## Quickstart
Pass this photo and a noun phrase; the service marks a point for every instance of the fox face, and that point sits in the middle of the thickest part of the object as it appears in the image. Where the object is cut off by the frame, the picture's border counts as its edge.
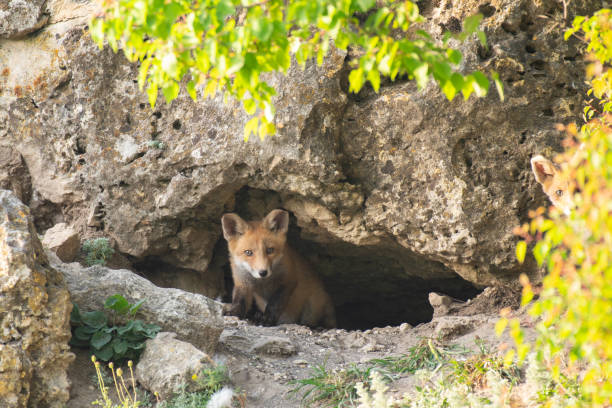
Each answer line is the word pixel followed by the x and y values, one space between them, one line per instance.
pixel 554 184
pixel 256 247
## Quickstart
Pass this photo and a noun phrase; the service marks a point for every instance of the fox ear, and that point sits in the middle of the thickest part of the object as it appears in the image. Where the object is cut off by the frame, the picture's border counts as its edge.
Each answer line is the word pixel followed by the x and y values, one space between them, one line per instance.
pixel 277 221
pixel 233 226
pixel 543 169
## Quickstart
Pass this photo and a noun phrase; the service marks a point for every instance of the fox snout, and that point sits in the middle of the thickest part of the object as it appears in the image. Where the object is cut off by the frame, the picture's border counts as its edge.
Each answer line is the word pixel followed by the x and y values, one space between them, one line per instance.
pixel 263 273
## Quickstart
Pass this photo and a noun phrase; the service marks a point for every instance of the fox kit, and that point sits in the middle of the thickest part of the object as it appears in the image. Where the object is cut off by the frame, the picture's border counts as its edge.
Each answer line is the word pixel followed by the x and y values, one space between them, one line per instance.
pixel 554 184
pixel 270 273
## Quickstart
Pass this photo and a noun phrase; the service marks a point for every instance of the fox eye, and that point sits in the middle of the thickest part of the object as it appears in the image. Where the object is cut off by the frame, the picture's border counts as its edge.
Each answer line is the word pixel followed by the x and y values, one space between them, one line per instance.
pixel 559 192
pixel 248 252
pixel 269 250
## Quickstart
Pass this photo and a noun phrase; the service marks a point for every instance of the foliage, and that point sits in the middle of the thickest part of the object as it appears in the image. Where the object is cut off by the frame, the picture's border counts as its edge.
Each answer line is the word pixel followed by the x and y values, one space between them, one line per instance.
pixel 97 251
pixel 427 354
pixel 115 342
pixel 333 388
pixel 210 381
pixel 126 399
pixel 574 307
pixel 229 46
pixel 339 388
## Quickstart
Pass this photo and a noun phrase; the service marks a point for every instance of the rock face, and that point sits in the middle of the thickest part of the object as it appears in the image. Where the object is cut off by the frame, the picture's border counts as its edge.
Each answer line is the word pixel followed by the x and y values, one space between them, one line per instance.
pixel 393 195
pixel 21 17
pixel 194 318
pixel 34 316
pixel 62 240
pixel 168 363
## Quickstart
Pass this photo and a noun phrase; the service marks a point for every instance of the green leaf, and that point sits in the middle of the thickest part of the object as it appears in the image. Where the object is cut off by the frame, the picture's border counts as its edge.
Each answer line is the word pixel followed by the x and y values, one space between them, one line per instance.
pixel 365 5
pixel 262 29
pixel 84 332
pixel 250 127
pixel 119 346
pixel 249 106
pixel 374 78
pixel 117 303
pixel 454 56
pixel 169 65
pixel 471 23
pixel 171 91
pixel 152 93
pixel 105 353
pixel 482 83
pixel 224 8
pixel 191 90
pixel 521 250
pixel 356 80
pixel 449 90
pixel 134 308
pixel 95 319
pixel 99 339
pixel 498 85
pixel 421 74
pixel 121 330
pixel 75 314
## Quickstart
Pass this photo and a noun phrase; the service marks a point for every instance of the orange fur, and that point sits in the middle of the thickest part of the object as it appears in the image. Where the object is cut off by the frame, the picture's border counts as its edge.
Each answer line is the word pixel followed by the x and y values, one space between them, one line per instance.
pixel 553 182
pixel 271 274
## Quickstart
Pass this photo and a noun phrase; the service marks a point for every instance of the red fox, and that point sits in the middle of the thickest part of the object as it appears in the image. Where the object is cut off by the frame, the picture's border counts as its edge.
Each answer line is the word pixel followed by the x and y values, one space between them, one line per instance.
pixel 270 273
pixel 553 182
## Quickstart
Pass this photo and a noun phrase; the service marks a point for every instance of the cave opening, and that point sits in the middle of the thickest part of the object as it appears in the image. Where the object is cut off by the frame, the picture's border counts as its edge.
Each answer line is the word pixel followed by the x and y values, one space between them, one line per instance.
pixel 368 285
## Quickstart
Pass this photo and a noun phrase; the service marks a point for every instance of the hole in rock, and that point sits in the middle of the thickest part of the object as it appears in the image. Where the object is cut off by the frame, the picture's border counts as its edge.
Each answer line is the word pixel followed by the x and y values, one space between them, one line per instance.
pixel 371 286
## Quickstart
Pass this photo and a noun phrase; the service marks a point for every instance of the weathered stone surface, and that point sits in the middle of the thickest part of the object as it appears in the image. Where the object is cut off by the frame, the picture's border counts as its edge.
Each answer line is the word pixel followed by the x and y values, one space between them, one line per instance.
pixel 34 316
pixel 274 346
pixel 194 318
pixel 63 240
pixel 14 174
pixel 394 194
pixel 168 363
pixel 21 17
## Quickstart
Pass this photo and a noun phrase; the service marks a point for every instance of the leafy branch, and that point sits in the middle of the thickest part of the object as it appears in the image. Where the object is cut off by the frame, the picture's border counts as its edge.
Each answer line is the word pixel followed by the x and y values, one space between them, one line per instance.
pixel 226 46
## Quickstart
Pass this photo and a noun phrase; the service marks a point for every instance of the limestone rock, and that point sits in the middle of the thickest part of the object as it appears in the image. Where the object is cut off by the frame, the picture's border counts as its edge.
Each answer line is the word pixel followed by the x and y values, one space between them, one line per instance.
pixel 168 363
pixel 21 17
pixel 274 346
pixel 393 194
pixel 34 316
pixel 63 240
pixel 194 318
pixel 14 174
pixel 450 327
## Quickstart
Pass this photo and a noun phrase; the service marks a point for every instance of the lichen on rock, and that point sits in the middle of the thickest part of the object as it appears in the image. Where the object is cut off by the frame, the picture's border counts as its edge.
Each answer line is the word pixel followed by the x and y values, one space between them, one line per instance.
pixel 34 316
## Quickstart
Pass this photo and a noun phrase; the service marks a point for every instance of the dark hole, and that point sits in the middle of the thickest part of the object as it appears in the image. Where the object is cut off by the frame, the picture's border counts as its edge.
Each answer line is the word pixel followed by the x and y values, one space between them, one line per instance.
pixel 530 48
pixel 176 125
pixel 487 9
pixel 370 286
pixel 141 106
pixel 548 112
pixel 538 64
pixel 157 114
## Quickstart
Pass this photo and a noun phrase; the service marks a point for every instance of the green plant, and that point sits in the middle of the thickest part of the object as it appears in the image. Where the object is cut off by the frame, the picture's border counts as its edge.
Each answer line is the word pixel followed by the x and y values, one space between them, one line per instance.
pixel 117 342
pixel 230 45
pixel 211 380
pixel 574 308
pixel 427 354
pixel 334 388
pixel 97 251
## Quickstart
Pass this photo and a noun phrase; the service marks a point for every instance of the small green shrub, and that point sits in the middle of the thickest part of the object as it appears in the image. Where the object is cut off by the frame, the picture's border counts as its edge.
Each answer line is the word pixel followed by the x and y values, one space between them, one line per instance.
pixel 210 380
pixel 97 251
pixel 113 341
